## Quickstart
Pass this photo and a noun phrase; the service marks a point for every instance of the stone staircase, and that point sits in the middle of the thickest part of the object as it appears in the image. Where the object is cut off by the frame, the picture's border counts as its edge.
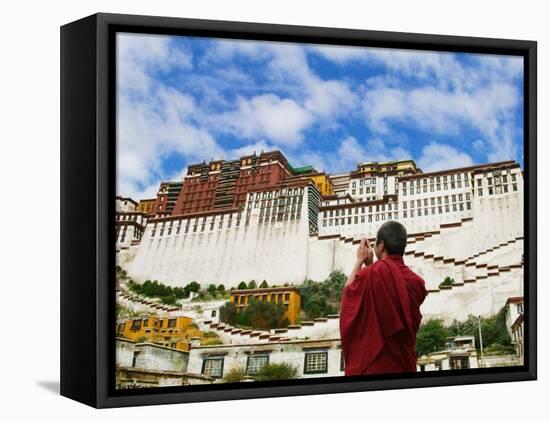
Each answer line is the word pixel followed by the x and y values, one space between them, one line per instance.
pixel 319 328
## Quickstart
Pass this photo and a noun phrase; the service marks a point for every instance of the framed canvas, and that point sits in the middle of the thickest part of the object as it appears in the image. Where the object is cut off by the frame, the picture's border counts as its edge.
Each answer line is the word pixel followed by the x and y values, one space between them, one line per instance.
pixel 258 210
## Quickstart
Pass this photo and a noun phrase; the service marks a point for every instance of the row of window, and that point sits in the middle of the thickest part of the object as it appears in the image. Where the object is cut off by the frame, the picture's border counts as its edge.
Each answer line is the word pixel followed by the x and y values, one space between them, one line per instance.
pixel 315 362
pixel 434 188
pixel 169 228
pixel 366 190
pixel 279 217
pixel 121 232
pixel 275 194
pixel 365 181
pixel 456 207
pixel 296 208
pixel 497 180
pixel 130 217
pixel 271 297
pixel 276 202
pixel 437 179
pixel 497 190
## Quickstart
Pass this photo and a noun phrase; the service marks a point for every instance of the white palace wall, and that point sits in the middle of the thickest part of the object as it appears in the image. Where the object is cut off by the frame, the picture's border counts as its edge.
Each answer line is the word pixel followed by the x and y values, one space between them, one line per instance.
pixel 276 252
pixel 284 252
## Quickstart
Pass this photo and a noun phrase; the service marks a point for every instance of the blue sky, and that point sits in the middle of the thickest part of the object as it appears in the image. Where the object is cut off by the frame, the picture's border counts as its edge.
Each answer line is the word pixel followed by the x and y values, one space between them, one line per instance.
pixel 182 100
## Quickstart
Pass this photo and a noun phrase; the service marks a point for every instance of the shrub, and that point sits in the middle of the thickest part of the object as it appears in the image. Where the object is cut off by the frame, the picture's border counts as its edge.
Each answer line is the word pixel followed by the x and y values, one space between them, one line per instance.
pixel 277 371
pixel 169 300
pixel 235 374
pixel 447 282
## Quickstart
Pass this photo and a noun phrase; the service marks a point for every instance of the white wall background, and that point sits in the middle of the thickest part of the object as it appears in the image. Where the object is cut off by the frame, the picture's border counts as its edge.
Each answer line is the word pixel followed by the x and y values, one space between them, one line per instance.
pixel 30 160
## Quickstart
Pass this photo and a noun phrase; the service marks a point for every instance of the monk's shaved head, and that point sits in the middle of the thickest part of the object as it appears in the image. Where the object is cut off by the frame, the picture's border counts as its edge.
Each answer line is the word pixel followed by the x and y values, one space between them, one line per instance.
pixel 394 236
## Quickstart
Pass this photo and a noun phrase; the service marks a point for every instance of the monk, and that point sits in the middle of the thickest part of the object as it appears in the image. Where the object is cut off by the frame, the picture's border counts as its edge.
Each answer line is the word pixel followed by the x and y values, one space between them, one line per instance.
pixel 380 309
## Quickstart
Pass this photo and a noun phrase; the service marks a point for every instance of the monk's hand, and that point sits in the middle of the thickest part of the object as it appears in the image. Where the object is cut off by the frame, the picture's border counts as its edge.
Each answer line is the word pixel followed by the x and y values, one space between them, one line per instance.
pixel 365 253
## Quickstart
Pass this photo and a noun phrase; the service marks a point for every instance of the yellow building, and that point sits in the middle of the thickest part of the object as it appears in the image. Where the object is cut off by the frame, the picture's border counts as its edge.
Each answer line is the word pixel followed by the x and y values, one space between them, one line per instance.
pixel 401 167
pixel 174 332
pixel 323 183
pixel 288 296
pixel 146 205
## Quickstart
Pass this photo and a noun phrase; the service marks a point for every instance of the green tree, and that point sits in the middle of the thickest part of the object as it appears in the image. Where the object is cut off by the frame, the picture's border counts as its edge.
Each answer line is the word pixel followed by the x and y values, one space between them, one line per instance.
pixel 335 284
pixel 493 329
pixel 314 299
pixel 252 284
pixel 263 314
pixel 277 371
pixel 212 289
pixel 242 286
pixel 221 288
pixel 192 287
pixel 431 337
pixel 228 313
pixel 264 285
pixel 258 314
pixel 180 292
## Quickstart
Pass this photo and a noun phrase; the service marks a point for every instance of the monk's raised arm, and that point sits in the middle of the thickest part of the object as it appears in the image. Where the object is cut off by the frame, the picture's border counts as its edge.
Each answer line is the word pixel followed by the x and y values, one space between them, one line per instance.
pixel 364 255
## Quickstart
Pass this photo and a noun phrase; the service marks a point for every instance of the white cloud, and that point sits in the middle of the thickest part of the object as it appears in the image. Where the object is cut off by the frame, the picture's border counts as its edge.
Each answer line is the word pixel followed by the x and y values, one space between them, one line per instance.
pixel 288 67
pixel 256 147
pixel 138 54
pixel 280 120
pixel 151 129
pixel 448 94
pixel 340 54
pixel 348 152
pixel 488 109
pixel 436 156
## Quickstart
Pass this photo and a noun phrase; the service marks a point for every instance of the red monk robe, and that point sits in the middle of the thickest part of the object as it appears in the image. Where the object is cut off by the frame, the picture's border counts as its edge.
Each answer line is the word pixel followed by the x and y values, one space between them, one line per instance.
pixel 379 318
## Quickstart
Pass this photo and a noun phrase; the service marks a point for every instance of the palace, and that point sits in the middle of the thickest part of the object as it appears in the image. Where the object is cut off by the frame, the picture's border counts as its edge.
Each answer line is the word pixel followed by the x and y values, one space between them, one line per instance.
pixel 259 218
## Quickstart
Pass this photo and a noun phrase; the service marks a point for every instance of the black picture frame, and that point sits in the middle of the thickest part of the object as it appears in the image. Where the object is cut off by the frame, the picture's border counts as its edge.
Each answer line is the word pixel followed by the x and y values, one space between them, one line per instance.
pixel 88 194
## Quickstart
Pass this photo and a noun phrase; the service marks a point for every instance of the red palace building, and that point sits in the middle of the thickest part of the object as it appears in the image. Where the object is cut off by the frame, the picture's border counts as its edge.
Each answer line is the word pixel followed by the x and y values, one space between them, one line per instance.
pixel 224 184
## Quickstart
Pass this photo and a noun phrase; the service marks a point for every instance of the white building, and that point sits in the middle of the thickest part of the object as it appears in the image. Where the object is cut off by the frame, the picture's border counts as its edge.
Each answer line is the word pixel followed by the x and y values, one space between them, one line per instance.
pixel 514 324
pixel 311 358
pixel 459 353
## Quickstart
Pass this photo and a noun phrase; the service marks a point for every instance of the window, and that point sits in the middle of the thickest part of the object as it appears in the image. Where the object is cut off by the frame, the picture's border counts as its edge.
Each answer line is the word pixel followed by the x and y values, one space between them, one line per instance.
pixel 134 358
pixel 342 363
pixel 255 362
pixel 171 323
pixel 315 362
pixel 212 367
